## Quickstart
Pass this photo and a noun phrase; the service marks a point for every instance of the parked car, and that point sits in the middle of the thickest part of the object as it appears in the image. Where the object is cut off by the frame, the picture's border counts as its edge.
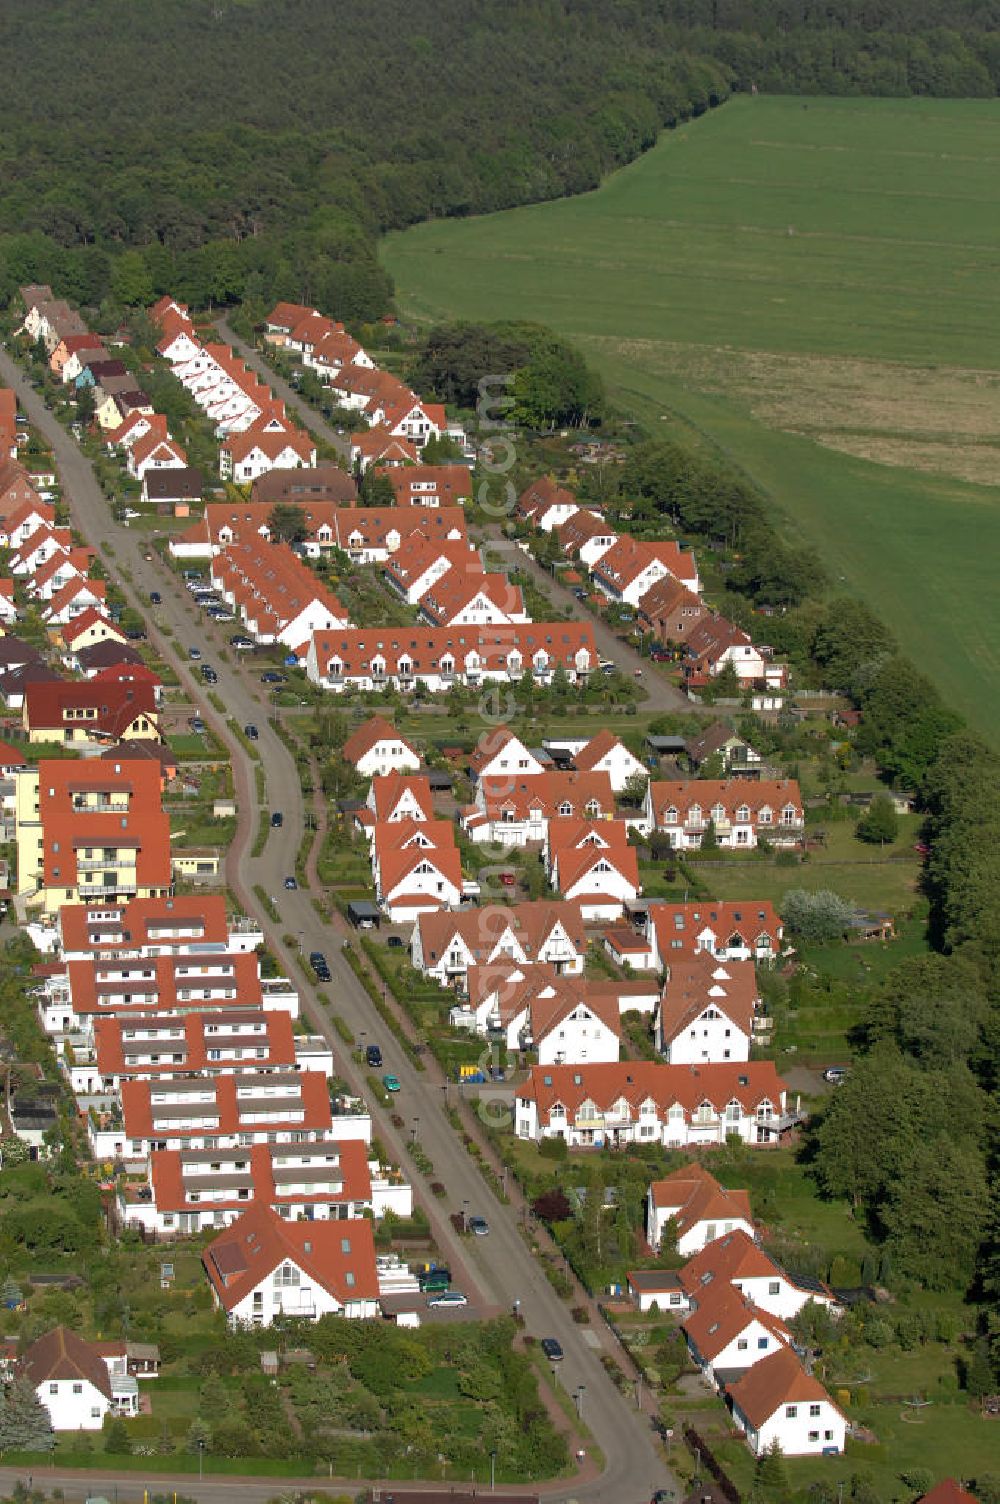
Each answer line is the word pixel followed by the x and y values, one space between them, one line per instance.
pixel 240 642
pixel 396 942
pixel 373 1055
pixel 155 598
pixel 552 1349
pixel 194 654
pixel 448 1298
pixel 433 1281
pixel 390 1082
pixel 135 634
pixel 835 1074
pixel 250 732
pixel 479 1227
pixel 508 879
pixel 271 677
pixel 290 884
pixel 277 820
pixel 197 725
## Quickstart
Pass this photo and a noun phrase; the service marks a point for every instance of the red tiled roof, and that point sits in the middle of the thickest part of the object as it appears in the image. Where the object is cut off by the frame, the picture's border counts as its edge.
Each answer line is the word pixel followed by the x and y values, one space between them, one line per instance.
pixel 143 921
pixel 456 591
pixel 719 1318
pixel 413 484
pixel 387 789
pixel 689 1086
pixel 247 1253
pixel 307 1104
pixel 481 929
pixel 776 1381
pixel 200 1032
pixel 697 983
pixel 368 735
pixel 731 793
pixel 111 707
pixel 348 1162
pixel 184 983
pixel 547 792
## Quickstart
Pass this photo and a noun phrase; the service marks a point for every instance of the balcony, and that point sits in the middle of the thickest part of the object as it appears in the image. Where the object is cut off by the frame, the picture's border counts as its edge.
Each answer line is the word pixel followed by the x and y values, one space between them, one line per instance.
pixel 123 885
pixel 103 864
pixel 82 805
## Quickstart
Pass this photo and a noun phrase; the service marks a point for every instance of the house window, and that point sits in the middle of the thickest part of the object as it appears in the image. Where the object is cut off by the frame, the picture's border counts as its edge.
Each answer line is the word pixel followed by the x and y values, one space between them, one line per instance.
pixel 349 1280
pixel 77 1388
pixel 814 1436
pixel 791 1411
pixel 762 1344
pixel 814 1410
pixel 774 1288
pixel 742 1345
pixel 53 1388
pixel 286 1275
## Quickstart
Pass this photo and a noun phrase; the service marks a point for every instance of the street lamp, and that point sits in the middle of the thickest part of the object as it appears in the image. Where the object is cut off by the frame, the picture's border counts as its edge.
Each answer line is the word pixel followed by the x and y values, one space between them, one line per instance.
pixel 413 1130
pixel 465 1216
pixel 578 1396
pixel 493 1470
pixel 201 1457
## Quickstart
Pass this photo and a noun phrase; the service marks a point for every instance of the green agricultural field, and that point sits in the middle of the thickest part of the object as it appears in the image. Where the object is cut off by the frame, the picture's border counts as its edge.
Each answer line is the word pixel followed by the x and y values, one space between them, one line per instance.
pixel 810 287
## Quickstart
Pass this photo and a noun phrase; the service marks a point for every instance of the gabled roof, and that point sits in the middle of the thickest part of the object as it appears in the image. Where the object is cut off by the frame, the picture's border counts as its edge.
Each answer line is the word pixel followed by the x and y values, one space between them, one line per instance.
pixel 481 929
pixel 775 794
pixel 597 748
pixel 80 625
pixel 668 596
pixel 397 866
pixel 948 1492
pixel 776 1381
pixel 702 982
pixel 547 792
pixel 61 1354
pixel 636 1080
pixel 733 1257
pixel 249 1251
pixel 713 739
pixel 720 1317
pixel 387 789
pixel 541 495
pixel 457 590
pixel 368 735
pixel 115 705
pixel 380 443
pixel 451 484
pixel 692 1195
pixel 491 744
pixel 547 1013
pixel 581 527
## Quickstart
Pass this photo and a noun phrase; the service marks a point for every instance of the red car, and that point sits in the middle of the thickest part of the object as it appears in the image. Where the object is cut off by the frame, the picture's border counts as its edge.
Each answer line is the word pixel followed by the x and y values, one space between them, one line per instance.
pixel 508 879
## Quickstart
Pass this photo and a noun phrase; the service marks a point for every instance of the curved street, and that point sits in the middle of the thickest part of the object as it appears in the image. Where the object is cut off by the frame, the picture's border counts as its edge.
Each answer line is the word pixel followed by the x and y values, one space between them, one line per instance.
pixel 500 1267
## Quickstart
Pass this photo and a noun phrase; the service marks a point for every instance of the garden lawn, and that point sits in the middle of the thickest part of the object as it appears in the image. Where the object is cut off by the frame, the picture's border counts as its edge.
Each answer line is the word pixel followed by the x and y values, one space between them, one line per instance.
pixel 804 286
pixel 872 878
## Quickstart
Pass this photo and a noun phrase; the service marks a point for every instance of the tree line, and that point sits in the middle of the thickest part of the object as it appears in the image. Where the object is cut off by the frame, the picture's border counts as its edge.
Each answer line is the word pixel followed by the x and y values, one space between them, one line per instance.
pixel 232 150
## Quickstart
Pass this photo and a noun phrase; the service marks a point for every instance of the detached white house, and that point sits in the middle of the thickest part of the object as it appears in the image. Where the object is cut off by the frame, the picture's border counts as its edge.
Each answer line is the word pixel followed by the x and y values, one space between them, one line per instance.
pixel 263 1267
pixel 501 753
pixel 607 753
pixel 778 1401
pixel 76 1383
pixel 377 747
pixel 700 1209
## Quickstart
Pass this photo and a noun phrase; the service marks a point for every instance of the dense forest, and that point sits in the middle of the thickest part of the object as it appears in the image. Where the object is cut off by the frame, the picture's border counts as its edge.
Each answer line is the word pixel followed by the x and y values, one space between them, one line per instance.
pixel 228 149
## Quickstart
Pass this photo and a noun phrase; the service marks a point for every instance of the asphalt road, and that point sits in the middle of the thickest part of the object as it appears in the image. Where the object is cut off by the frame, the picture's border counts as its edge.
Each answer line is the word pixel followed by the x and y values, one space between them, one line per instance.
pixel 499 1267
pixel 308 416
pixel 660 693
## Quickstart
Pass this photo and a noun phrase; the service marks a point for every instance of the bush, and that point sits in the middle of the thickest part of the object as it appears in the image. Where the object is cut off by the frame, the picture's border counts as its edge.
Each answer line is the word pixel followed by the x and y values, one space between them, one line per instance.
pixel 553 1148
